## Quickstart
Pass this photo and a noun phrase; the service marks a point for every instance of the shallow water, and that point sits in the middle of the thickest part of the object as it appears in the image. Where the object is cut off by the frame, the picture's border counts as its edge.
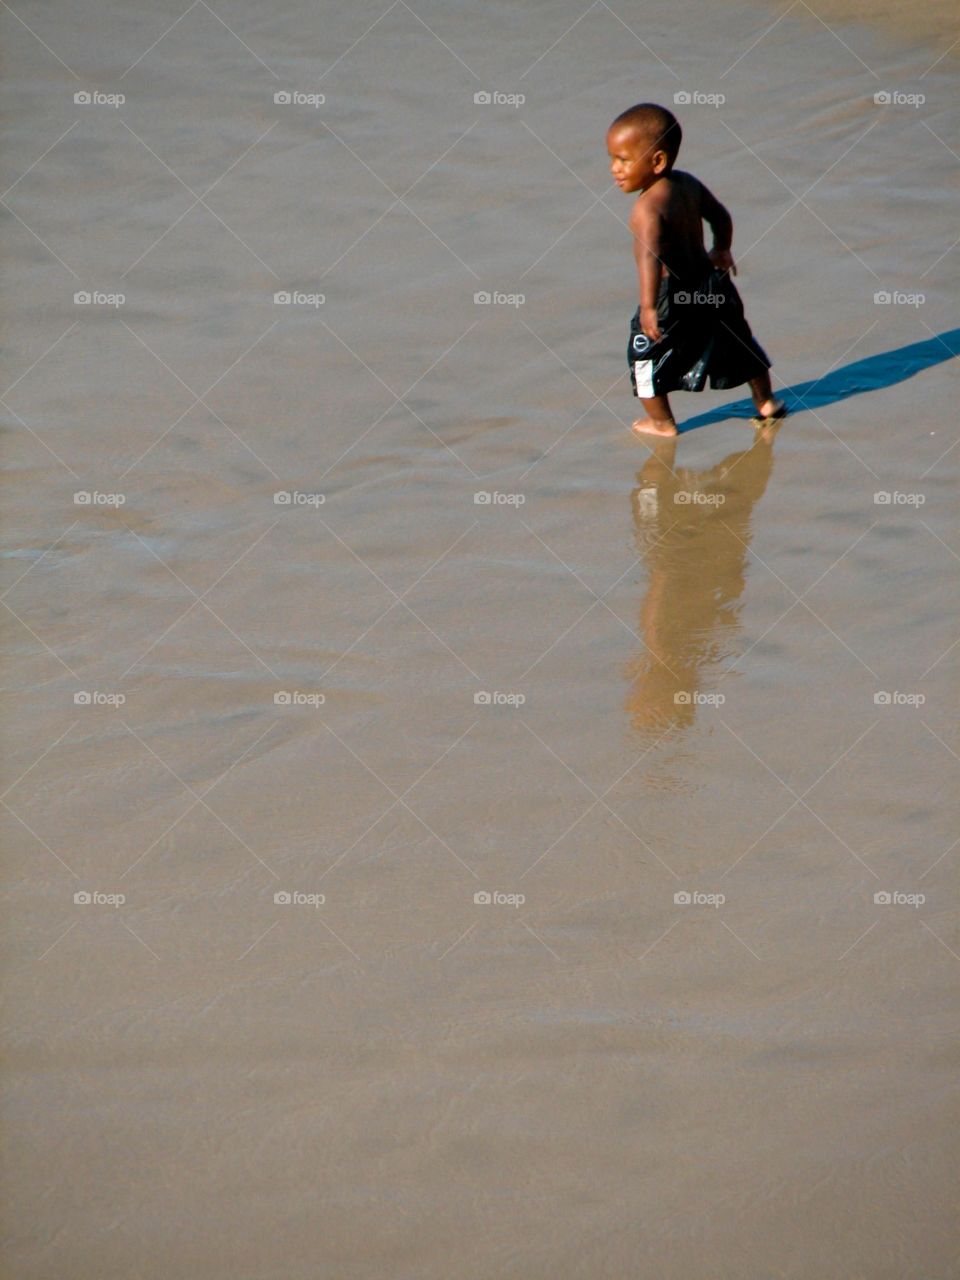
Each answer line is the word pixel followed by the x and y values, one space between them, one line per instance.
pixel 600 1080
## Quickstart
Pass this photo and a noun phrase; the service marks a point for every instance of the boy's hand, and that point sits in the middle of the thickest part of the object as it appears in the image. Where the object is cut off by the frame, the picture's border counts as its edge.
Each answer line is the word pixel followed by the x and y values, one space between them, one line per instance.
pixel 722 259
pixel 650 324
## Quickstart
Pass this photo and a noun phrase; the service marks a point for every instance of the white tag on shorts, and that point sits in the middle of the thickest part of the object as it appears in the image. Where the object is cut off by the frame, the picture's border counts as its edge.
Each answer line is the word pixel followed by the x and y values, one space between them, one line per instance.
pixel 643 377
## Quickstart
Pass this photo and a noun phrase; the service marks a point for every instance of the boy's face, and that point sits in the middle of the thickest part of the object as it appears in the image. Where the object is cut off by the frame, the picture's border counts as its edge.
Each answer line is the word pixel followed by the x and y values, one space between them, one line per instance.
pixel 635 159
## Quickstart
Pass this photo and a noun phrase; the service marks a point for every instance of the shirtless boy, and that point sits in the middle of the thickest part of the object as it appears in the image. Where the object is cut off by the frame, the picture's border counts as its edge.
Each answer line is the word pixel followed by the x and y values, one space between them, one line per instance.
pixel 690 324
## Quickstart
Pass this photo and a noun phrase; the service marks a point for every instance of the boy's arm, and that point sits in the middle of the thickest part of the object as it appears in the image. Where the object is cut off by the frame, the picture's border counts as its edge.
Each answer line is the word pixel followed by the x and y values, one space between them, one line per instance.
pixel 645 224
pixel 721 224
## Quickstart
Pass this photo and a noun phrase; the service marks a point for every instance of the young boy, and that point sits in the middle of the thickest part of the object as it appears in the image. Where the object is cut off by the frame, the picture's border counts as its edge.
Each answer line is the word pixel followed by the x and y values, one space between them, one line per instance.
pixel 690 323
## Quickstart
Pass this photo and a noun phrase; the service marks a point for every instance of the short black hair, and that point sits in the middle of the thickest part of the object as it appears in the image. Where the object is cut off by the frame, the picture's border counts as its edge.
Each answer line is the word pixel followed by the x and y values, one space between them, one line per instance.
pixel 660 126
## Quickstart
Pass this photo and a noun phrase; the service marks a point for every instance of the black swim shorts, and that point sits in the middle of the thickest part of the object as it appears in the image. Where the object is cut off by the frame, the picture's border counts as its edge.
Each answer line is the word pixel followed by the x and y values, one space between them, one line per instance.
pixel 704 334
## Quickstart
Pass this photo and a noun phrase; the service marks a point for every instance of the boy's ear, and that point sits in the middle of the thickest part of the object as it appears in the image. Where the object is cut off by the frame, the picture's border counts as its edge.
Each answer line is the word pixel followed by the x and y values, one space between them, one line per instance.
pixel 661 162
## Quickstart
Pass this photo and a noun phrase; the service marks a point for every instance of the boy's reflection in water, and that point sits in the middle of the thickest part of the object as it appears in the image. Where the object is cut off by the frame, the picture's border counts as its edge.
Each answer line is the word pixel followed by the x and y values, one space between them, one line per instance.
pixel 695 552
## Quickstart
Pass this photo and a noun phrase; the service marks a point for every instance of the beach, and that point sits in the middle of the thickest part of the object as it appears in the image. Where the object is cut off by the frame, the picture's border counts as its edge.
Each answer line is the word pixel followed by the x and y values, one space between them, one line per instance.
pixel 446 833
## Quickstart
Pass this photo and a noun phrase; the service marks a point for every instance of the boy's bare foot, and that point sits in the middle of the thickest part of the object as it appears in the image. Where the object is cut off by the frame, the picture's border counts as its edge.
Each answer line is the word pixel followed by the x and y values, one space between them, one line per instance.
pixel 767 405
pixel 655 427
pixel 768 410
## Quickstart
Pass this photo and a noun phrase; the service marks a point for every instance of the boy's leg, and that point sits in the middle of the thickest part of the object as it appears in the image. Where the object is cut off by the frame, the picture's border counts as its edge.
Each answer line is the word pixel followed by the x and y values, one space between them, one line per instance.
pixel 763 398
pixel 659 420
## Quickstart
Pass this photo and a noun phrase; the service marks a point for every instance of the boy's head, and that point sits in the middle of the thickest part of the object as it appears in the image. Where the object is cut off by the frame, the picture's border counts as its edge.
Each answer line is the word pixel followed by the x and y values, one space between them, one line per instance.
pixel 643 143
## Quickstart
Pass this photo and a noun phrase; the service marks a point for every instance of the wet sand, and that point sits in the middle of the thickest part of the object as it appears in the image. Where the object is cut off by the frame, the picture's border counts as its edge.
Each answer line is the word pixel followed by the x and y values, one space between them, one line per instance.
pixel 933 24
pixel 680 712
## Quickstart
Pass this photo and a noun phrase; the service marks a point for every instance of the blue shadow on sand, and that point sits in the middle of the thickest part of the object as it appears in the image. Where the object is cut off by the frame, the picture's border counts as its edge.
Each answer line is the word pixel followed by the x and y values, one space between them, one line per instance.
pixel 869 374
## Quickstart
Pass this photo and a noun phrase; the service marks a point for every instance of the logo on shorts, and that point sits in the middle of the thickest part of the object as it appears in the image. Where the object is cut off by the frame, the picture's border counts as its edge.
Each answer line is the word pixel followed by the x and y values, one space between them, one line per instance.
pixel 641 343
